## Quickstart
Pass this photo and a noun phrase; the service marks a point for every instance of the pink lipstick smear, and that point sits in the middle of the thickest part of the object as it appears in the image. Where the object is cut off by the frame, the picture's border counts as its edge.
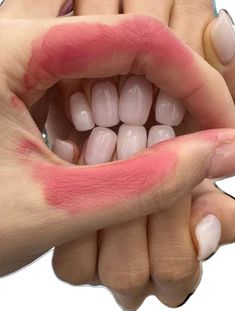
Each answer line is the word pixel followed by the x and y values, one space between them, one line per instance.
pixel 77 48
pixel 86 188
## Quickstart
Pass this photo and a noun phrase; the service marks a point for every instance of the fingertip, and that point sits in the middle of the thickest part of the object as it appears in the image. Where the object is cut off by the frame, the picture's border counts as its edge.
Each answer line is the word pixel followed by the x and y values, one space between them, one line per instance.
pixel 219 40
pixel 208 234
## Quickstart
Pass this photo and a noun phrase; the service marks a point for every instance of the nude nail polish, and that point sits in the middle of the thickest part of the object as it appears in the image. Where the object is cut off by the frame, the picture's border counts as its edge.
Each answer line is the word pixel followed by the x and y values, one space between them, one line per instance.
pixel 223 37
pixel 208 233
pixel 64 150
pixel 104 103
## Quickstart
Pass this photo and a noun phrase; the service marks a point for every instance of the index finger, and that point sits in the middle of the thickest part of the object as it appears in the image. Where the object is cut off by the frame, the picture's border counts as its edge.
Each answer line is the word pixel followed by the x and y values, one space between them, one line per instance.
pixel 87 47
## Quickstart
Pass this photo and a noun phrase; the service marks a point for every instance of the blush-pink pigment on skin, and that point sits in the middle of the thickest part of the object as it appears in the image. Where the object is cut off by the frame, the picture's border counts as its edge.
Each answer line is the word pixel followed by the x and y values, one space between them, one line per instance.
pixel 77 188
pixel 73 49
pixel 16 102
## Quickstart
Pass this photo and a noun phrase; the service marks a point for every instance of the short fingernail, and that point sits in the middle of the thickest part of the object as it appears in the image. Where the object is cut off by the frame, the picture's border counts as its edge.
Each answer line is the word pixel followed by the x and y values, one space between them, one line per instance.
pixel 81 112
pixel 208 233
pixel 223 37
pixel 222 162
pixel 168 110
pixel 131 139
pixel 159 133
pixel 135 101
pixel 104 103
pixel 64 150
pixel 100 146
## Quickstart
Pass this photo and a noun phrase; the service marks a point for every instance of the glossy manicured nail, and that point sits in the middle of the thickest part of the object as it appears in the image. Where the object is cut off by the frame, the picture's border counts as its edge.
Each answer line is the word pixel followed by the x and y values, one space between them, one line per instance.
pixel 81 112
pixel 104 103
pixel 64 150
pixel 208 233
pixel 223 37
pixel 168 110
pixel 100 146
pixel 160 133
pixel 135 100
pixel 131 139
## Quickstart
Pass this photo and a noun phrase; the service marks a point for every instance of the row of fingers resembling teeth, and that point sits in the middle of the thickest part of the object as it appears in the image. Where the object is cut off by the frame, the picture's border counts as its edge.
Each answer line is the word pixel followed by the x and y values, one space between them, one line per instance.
pixel 133 108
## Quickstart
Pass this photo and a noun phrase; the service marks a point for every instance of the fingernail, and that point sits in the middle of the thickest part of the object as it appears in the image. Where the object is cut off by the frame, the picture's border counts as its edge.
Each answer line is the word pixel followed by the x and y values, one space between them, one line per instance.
pixel 168 110
pixel 131 139
pixel 64 150
pixel 67 8
pixel 222 161
pixel 135 100
pixel 104 103
pixel 159 133
pixel 185 300
pixel 223 37
pixel 100 146
pixel 81 112
pixel 208 233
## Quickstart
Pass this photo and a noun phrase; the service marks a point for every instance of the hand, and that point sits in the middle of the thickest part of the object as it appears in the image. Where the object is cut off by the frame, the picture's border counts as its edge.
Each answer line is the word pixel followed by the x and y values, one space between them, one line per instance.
pixel 47 211
pixel 73 256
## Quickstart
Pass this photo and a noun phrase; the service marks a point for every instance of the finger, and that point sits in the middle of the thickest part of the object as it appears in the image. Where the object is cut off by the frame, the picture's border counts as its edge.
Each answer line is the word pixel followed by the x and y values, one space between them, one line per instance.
pixel 90 7
pixel 160 9
pixel 64 194
pixel 212 219
pixel 76 262
pixel 65 206
pixel 31 9
pixel 160 63
pixel 67 192
pixel 196 13
pixel 175 269
pixel 219 42
pixel 56 117
pixel 174 266
pixel 123 262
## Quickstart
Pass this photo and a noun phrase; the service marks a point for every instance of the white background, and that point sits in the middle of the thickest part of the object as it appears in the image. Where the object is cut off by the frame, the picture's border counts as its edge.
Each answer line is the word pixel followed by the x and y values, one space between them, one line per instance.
pixel 36 288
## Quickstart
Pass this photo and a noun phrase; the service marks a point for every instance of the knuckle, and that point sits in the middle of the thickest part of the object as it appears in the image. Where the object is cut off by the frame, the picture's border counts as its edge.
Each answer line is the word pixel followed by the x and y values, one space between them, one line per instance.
pixel 175 272
pixel 124 282
pixel 195 7
pixel 65 272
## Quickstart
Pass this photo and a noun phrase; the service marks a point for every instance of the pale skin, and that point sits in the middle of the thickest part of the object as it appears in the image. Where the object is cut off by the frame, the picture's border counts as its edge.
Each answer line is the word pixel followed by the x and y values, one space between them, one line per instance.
pixel 62 228
pixel 71 257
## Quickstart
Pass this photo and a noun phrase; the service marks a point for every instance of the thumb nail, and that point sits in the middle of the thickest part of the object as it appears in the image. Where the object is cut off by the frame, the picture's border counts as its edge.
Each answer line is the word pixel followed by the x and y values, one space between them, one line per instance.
pixel 223 37
pixel 208 233
pixel 222 162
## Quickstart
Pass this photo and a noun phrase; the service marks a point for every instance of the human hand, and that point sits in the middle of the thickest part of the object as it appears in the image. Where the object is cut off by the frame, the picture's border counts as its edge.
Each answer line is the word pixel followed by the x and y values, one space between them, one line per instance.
pixel 71 259
pixel 47 211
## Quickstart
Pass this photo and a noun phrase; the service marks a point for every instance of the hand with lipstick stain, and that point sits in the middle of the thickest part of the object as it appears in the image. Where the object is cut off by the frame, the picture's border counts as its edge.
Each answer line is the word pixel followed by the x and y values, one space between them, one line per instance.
pixel 116 257
pixel 55 202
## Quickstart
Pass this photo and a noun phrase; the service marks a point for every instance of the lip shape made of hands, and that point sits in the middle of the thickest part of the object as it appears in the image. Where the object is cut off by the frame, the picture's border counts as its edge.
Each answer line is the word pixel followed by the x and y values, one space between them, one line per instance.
pixel 138 45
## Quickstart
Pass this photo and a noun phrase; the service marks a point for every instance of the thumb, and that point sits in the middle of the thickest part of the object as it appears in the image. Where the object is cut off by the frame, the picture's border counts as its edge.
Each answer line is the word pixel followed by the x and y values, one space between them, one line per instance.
pixel 55 202
pixel 219 44
pixel 75 200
